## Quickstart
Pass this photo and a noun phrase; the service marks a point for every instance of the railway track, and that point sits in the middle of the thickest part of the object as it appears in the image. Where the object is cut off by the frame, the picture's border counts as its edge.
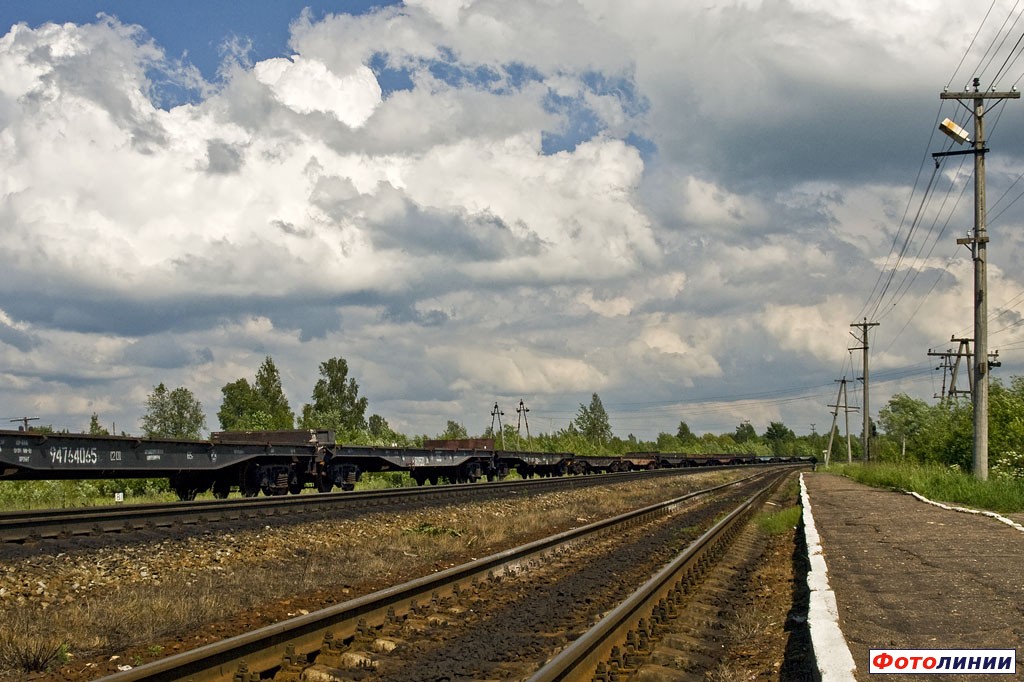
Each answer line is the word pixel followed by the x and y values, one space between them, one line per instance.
pixel 502 616
pixel 34 526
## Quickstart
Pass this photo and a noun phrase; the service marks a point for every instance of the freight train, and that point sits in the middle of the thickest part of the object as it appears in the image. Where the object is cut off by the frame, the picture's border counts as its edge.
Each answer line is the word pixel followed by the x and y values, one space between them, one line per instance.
pixel 282 462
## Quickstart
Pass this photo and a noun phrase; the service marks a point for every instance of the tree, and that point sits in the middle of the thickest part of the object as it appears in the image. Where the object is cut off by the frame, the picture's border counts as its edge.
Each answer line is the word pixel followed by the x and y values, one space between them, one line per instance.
pixel 779 438
pixel 94 426
pixel 685 435
pixel 256 407
pixel 270 396
pixel 454 431
pixel 237 406
pixel 336 402
pixel 902 419
pixel 173 414
pixel 668 443
pixel 1006 430
pixel 592 422
pixel 744 432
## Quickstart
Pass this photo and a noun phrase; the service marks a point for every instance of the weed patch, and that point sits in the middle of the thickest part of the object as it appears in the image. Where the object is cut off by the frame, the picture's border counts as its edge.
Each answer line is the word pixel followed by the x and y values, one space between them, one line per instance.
pixel 434 531
pixel 30 646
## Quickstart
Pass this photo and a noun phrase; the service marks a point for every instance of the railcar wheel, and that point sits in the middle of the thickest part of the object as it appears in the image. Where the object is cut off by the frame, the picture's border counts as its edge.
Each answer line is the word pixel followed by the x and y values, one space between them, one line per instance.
pixel 185 489
pixel 221 489
pixel 186 493
pixel 250 483
pixel 188 486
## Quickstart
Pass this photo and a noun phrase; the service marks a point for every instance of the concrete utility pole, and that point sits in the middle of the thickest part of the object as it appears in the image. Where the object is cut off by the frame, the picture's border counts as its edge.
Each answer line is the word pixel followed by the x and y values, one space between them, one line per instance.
pixel 24 421
pixel 522 410
pixel 978 243
pixel 952 368
pixel 835 415
pixel 496 413
pixel 864 326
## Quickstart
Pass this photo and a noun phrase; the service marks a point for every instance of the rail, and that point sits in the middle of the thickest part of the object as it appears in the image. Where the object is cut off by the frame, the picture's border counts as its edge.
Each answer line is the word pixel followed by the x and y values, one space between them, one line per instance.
pixel 608 648
pixel 31 526
pixel 247 657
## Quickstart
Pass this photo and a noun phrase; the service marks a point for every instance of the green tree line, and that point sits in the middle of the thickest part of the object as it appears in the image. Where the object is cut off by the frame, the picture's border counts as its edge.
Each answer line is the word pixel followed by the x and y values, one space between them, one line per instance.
pixel 910 429
pixel 336 404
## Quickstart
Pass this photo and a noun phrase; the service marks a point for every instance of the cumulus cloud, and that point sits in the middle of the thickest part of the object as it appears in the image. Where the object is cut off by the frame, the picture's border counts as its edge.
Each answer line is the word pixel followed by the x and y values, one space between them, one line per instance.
pixel 467 199
pixel 306 85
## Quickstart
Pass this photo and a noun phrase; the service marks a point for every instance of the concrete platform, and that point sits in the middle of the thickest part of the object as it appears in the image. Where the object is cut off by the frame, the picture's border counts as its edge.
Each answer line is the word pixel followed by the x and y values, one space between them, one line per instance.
pixel 892 571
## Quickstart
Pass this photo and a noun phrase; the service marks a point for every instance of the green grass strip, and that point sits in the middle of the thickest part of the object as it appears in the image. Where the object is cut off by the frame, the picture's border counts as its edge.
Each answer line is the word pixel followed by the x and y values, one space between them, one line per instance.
pixel 941 484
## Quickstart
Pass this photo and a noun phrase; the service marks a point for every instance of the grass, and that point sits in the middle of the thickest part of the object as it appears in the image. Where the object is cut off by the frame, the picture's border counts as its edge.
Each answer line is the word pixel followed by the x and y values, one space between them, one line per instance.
pixel 785 519
pixel 23 495
pixel 782 521
pixel 942 484
pixel 26 495
pixel 30 646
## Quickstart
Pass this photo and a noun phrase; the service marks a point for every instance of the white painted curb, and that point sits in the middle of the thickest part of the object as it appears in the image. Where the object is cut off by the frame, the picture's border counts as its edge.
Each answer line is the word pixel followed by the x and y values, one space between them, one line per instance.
pixel 835 662
pixel 967 510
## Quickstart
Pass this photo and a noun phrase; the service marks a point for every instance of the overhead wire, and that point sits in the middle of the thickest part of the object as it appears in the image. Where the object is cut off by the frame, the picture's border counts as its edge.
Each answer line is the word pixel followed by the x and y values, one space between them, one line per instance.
pixel 906 242
pixel 899 231
pixel 970 46
pixel 889 290
pixel 990 53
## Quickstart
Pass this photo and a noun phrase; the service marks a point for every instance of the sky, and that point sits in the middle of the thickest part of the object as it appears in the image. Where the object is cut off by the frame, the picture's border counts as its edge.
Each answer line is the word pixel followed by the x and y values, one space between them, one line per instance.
pixel 680 206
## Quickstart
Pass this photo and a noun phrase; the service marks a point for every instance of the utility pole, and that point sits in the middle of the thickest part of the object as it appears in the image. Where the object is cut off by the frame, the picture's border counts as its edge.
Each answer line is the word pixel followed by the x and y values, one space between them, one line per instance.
pixel 496 413
pixel 952 369
pixel 832 429
pixel 864 326
pixel 978 243
pixel 835 415
pixel 522 410
pixel 847 409
pixel 24 421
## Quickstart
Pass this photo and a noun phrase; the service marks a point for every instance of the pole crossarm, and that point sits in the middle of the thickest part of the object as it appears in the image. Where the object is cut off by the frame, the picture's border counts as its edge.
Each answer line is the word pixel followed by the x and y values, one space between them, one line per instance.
pixel 960 152
pixel 968 94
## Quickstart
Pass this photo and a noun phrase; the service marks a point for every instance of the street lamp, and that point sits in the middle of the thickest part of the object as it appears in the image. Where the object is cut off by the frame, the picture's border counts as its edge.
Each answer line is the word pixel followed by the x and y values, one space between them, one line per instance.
pixel 954 131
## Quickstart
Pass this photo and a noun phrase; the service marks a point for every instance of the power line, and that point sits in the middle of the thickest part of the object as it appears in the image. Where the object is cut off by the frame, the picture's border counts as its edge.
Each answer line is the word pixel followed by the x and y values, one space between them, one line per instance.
pixel 971 45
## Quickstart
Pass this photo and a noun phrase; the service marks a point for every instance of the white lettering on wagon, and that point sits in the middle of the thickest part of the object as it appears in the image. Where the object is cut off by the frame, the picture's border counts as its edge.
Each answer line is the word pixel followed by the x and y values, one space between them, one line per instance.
pixel 69 455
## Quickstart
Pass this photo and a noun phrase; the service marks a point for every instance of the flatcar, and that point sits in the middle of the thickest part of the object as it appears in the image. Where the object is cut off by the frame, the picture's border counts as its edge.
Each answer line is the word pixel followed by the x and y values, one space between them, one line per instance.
pixel 282 462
